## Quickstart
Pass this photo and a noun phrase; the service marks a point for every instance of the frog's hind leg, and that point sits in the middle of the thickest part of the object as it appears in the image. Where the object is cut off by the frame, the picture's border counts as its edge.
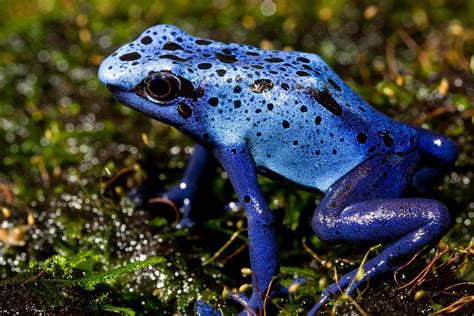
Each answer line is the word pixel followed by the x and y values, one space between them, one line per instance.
pixel 364 207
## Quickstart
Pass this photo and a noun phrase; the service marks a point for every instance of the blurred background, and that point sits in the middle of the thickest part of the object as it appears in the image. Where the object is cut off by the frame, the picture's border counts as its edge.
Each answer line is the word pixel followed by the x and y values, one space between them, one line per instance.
pixel 71 242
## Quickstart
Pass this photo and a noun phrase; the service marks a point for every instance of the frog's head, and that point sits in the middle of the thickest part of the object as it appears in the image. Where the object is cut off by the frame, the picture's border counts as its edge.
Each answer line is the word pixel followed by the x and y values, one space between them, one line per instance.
pixel 207 89
pixel 152 75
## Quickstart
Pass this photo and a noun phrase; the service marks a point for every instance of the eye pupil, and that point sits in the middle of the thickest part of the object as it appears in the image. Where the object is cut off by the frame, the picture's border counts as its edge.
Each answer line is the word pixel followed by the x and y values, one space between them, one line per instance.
pixel 162 87
pixel 159 86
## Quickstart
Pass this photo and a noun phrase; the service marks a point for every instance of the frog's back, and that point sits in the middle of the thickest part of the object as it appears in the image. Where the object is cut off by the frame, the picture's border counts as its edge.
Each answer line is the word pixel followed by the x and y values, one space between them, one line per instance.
pixel 305 125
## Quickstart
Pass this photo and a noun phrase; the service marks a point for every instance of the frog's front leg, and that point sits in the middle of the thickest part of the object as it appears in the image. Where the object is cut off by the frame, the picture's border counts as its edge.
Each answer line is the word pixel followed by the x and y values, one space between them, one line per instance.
pixel 264 261
pixel 365 207
pixel 185 192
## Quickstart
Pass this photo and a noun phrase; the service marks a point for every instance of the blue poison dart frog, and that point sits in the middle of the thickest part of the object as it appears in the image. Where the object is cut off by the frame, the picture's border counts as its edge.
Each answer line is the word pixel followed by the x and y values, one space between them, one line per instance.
pixel 290 117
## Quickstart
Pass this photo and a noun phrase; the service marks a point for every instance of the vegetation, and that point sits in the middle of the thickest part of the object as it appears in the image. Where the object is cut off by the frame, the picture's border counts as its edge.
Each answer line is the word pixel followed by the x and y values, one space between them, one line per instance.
pixel 70 240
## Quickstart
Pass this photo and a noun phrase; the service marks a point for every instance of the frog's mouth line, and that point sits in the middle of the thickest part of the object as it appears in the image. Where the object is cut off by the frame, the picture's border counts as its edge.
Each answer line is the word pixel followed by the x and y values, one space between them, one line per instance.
pixel 123 96
pixel 147 107
pixel 113 88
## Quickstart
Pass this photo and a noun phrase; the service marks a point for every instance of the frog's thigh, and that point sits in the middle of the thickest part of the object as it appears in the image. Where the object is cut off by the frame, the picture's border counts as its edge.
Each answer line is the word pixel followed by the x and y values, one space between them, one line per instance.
pixel 388 220
pixel 364 206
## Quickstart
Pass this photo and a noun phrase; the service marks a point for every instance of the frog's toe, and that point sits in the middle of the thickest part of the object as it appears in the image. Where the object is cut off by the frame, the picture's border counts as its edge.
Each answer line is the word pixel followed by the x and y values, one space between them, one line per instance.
pixel 330 290
pixel 183 208
pixel 202 308
pixel 238 297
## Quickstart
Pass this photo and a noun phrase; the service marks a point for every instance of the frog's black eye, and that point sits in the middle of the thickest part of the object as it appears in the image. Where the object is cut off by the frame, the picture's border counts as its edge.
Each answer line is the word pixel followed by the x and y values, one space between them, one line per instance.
pixel 162 87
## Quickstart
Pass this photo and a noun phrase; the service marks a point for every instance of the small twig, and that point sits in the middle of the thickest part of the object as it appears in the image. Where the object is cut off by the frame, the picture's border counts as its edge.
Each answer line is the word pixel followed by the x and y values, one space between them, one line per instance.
pixel 363 69
pixel 455 256
pixel 395 274
pixel 391 61
pixel 167 201
pixel 361 266
pixel 413 46
pixel 445 290
pixel 314 255
pixel 333 310
pixel 357 306
pixel 221 249
pixel 345 260
pixel 420 278
pixel 458 45
pixel 118 174
pixel 457 305
pixel 367 285
pixel 281 309
pixel 257 290
pixel 468 114
pixel 34 277
pixel 236 252
pixel 345 294
pixel 267 295
pixel 436 112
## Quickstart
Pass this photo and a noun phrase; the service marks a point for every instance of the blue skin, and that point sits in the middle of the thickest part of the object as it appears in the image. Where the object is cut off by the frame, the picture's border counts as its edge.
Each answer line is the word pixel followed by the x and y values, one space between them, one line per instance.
pixel 287 115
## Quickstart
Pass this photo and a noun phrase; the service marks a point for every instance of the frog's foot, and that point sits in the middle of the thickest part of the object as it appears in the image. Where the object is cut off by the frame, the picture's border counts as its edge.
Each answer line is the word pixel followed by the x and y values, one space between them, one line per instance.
pixel 201 308
pixel 244 301
pixel 178 200
pixel 278 291
pixel 349 282
pixel 181 201
pixel 182 197
pixel 240 298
